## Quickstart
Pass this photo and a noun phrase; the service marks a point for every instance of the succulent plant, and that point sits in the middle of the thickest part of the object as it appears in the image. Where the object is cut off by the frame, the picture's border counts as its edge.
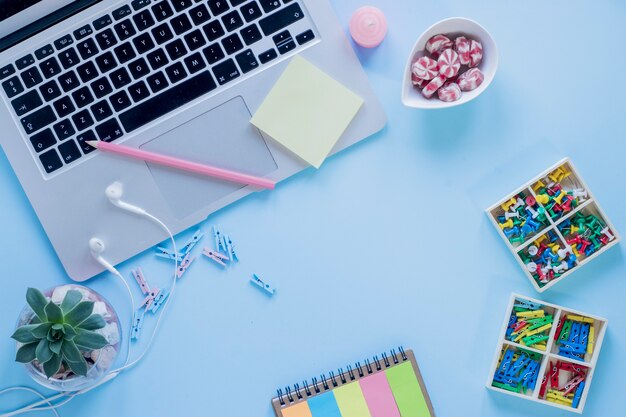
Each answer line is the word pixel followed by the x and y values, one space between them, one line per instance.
pixel 59 334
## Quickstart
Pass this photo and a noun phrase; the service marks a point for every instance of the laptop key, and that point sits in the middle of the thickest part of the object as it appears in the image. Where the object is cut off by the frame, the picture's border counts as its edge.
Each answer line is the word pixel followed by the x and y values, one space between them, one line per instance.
pixel 120 78
pixel 87 48
pixel 143 20
pixel 176 72
pixel 226 71
pixel 218 6
pixel 106 62
pixel 181 24
pixel 82 139
pixel 50 67
pixel 63 129
pixel 162 10
pixel 24 61
pixel 101 87
pixel 109 130
pixel 284 42
pixel 50 161
pixel 181 5
pixel 82 97
pixel 50 90
pixel 38 119
pixel 124 52
pixel 213 53
pixel 162 33
pixel 26 102
pixel 102 22
pixel 157 59
pixel 232 20
pixel 195 40
pixel 168 100
pixel 143 43
pixel 139 91
pixel 106 39
pixel 305 37
pixel 121 13
pixel 232 44
pixel 87 71
pixel 247 61
pixel 139 68
pixel 43 140
pixel 6 71
pixel 157 82
pixel 69 151
pixel 120 100
pixel 69 58
pixel 270 5
pixel 138 4
pixel 194 63
pixel 44 52
pixel 12 86
pixel 83 31
pixel 251 11
pixel 176 49
pixel 213 30
pixel 101 110
pixel 281 19
pixel 251 34
pixel 64 41
pixel 199 14
pixel 31 77
pixel 236 3
pixel 268 55
pixel 64 106
pixel 124 29
pixel 82 120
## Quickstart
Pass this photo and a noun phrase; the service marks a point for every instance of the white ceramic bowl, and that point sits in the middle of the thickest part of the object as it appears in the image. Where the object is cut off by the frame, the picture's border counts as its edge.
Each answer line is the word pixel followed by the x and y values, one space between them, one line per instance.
pixel 451 27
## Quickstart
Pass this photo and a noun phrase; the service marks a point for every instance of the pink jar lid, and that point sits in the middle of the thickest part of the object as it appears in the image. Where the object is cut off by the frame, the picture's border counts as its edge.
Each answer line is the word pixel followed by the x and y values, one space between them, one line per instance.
pixel 368 26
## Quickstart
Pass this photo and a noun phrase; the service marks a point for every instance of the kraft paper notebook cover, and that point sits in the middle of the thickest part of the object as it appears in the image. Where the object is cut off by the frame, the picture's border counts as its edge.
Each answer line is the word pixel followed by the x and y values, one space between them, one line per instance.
pixel 389 386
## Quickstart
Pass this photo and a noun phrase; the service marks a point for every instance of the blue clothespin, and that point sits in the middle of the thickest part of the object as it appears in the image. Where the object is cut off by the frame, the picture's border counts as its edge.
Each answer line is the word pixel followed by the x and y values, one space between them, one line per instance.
pixel 230 249
pixel 167 254
pixel 506 362
pixel 578 394
pixel 217 237
pixel 184 265
pixel 159 300
pixel 527 304
pixel 138 317
pixel 189 245
pixel 262 284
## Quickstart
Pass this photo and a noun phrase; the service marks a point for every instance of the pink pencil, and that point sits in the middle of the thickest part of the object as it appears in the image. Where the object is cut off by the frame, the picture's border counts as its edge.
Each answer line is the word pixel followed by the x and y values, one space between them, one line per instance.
pixel 182 164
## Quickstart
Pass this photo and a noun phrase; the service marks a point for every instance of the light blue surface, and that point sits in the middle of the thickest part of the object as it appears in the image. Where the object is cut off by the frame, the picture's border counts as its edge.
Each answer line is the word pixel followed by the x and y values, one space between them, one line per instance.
pixel 388 243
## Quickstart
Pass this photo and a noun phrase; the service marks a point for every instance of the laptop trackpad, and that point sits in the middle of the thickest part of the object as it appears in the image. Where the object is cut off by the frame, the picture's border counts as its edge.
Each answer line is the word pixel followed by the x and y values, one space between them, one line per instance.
pixel 222 137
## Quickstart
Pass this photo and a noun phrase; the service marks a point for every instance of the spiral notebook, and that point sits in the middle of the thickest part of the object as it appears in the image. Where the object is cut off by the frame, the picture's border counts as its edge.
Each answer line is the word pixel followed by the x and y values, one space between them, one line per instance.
pixel 386 386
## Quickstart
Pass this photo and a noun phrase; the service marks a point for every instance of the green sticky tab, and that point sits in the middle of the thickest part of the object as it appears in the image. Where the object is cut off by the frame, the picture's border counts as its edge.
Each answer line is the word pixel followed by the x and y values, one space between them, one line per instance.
pixel 351 401
pixel 407 391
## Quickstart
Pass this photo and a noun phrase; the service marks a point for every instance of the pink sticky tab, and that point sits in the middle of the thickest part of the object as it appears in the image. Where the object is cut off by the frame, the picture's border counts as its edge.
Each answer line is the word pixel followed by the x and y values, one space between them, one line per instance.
pixel 378 396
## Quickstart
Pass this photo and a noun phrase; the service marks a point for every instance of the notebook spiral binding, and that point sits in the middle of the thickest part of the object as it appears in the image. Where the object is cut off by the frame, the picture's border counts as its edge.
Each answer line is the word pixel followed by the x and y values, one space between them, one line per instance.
pixel 332 380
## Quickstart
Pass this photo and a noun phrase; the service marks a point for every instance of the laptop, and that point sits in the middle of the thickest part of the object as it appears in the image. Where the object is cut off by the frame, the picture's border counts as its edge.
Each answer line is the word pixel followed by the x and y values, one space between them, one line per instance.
pixel 179 77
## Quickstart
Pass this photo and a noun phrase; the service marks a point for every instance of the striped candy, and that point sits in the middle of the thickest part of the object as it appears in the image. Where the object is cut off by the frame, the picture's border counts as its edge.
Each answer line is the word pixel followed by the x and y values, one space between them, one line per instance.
pixel 471 79
pixel 425 68
pixel 449 92
pixel 438 43
pixel 449 63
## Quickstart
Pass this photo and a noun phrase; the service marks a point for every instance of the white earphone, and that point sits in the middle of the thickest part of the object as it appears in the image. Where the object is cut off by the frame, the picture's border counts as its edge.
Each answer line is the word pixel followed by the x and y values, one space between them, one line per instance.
pixel 114 193
pixel 97 247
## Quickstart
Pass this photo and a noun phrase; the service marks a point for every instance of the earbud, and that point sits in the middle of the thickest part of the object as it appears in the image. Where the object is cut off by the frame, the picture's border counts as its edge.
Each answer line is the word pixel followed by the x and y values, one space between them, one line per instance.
pixel 114 193
pixel 97 247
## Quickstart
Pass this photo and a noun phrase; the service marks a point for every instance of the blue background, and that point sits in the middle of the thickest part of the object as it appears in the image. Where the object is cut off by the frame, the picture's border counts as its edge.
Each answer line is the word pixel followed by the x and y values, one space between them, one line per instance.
pixel 388 243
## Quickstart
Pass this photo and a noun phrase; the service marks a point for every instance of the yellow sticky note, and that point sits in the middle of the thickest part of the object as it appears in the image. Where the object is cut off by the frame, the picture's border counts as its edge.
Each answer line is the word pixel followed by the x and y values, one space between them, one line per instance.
pixel 307 111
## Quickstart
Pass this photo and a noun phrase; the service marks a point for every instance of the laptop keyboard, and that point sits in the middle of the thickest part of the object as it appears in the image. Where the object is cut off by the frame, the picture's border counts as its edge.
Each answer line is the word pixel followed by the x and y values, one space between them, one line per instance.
pixel 138 63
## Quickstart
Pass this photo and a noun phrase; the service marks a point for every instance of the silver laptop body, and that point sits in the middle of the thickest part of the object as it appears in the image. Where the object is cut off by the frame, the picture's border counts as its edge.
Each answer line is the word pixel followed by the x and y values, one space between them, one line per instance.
pixel 161 76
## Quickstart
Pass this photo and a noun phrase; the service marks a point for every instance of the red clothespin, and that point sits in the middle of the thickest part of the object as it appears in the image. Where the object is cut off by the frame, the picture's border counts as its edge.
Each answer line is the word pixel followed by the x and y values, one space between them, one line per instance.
pixel 215 256
pixel 559 326
pixel 554 375
pixel 519 325
pixel 544 385
pixel 576 369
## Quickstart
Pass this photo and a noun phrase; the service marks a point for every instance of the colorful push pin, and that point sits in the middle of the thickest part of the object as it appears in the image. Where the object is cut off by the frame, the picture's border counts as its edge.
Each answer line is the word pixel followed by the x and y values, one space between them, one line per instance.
pixel 262 284
pixel 368 27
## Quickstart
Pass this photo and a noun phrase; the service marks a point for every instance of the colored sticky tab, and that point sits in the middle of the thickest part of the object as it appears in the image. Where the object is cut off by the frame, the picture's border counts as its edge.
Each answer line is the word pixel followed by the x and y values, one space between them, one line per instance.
pixel 351 401
pixel 298 410
pixel 407 391
pixel 307 111
pixel 324 405
pixel 378 396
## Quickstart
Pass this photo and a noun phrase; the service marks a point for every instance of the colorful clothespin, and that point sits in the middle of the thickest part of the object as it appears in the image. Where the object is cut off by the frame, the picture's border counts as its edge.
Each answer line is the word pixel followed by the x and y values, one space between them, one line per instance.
pixel 230 249
pixel 189 245
pixel 215 256
pixel 262 284
pixel 218 238
pixel 184 265
pixel 159 300
pixel 167 254
pixel 141 280
pixel 138 316
pixel 147 302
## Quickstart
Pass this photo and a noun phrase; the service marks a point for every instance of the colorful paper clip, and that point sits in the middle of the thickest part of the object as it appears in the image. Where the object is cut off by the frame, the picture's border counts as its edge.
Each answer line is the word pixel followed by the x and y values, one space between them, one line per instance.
pixel 184 265
pixel 215 256
pixel 159 300
pixel 262 284
pixel 138 317
pixel 189 245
